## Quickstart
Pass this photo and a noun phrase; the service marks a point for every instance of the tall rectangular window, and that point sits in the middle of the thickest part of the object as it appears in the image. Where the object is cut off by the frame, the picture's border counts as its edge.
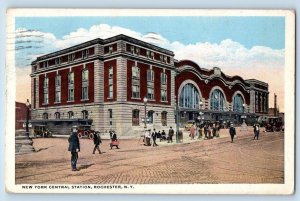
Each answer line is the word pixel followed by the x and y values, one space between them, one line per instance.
pixel 163 86
pixel 163 94
pixel 45 87
pixel 135 117
pixel 150 84
pixel 57 88
pixel 71 86
pixel 135 87
pixel 85 85
pixel 110 82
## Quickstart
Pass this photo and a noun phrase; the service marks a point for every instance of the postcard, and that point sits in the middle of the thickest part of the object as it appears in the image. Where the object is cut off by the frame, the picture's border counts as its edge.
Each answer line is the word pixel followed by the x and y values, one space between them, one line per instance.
pixel 150 101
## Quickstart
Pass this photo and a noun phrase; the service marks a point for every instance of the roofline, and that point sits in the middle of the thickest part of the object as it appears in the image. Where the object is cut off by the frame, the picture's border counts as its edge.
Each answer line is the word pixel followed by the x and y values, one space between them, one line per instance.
pixel 103 42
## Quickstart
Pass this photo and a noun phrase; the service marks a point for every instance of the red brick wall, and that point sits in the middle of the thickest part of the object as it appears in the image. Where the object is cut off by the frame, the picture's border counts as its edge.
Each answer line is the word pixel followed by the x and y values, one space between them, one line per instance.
pixel 143 83
pixel 64 86
pixel 21 113
pixel 107 65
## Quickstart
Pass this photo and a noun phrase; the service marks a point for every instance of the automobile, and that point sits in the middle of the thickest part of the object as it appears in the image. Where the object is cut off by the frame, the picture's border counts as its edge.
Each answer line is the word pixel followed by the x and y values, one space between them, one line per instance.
pixel 189 124
pixel 85 131
pixel 41 130
pixel 273 124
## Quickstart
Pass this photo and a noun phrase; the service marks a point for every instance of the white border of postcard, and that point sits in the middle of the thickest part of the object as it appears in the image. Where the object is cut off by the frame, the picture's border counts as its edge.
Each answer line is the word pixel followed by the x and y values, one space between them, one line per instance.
pixel 289 138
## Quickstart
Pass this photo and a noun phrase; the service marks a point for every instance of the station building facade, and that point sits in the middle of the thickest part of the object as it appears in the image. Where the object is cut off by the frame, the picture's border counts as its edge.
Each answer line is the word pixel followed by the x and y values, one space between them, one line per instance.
pixel 103 83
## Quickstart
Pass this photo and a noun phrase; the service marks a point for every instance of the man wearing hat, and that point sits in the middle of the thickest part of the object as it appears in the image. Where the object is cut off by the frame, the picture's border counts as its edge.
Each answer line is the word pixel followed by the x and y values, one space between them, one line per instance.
pixel 74 148
pixel 232 132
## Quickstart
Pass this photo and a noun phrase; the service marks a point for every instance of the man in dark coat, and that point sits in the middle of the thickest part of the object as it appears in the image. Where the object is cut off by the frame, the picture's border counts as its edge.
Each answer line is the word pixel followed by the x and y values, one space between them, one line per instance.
pixel 232 132
pixel 97 141
pixel 74 148
pixel 256 131
pixel 170 135
pixel 154 136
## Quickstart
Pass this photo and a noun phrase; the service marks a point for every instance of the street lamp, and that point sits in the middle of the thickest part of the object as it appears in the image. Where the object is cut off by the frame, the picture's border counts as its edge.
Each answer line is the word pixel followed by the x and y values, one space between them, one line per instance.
pixel 177 120
pixel 145 105
pixel 27 116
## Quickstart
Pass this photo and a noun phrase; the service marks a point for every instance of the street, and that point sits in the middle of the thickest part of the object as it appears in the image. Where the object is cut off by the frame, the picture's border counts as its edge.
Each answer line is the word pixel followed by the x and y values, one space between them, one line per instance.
pixel 195 161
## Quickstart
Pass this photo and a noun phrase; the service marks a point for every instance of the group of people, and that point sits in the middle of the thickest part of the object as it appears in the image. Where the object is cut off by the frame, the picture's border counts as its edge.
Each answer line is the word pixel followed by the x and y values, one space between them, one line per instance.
pixel 210 130
pixel 154 135
pixel 255 130
pixel 74 145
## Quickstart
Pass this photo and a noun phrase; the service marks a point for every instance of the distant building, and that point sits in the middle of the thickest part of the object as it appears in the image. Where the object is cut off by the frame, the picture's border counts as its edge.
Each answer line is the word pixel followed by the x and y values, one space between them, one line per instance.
pixel 21 112
pixel 103 83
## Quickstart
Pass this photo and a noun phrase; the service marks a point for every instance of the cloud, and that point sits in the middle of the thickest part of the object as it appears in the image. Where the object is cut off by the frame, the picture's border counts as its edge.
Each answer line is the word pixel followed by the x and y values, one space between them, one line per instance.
pixel 259 62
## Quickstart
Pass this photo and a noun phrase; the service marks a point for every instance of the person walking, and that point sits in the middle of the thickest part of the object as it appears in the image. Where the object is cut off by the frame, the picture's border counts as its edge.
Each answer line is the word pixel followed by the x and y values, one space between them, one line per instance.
pixel 232 132
pixel 170 135
pixel 256 132
pixel 74 148
pixel 154 136
pixel 97 141
pixel 192 131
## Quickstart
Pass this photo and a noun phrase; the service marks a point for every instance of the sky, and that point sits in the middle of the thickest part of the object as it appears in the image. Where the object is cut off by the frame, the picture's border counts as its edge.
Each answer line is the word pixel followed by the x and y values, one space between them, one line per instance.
pixel 252 47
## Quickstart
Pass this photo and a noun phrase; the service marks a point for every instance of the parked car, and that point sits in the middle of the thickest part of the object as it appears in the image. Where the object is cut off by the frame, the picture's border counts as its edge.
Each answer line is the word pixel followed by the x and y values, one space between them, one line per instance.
pixel 41 130
pixel 85 131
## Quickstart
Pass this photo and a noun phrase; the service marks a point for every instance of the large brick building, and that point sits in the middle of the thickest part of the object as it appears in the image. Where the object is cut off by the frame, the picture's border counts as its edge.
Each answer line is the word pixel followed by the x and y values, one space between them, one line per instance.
pixel 104 82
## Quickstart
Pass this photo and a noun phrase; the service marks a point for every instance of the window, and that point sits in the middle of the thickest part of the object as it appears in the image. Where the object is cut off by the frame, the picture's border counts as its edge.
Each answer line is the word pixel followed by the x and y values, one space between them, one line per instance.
pixel 150 117
pixel 150 93
pixel 71 86
pixel 85 114
pixel 45 87
pixel 238 103
pixel 135 82
pixel 45 116
pixel 71 95
pixel 71 115
pixel 57 115
pixel 85 84
pixel 71 78
pixel 137 50
pixel 57 88
pixel 110 49
pixel 148 54
pixel 150 75
pixel 110 113
pixel 135 117
pixel 57 96
pixel 135 72
pixel 217 100
pixel 164 115
pixel 163 94
pixel 110 82
pixel 189 97
pixel 163 78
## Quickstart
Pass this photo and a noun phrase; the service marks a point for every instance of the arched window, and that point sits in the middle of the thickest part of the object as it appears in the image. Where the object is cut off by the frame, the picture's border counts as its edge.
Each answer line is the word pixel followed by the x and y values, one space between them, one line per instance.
pixel 71 115
pixel 238 103
pixel 217 100
pixel 189 97
pixel 164 115
pixel 135 117
pixel 150 117
pixel 85 114
pixel 45 116
pixel 57 115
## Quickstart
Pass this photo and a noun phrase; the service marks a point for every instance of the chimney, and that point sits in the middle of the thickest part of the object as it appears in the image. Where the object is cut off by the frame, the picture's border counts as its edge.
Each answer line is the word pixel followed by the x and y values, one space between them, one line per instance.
pixel 275 104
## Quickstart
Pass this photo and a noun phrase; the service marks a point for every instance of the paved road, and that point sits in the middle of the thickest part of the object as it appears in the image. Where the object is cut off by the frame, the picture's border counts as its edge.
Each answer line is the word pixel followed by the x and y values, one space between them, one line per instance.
pixel 199 161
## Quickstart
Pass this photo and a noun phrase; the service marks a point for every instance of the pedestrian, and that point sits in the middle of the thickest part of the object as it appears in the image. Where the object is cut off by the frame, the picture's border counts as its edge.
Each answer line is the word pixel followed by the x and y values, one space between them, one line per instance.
pixel 214 130
pixel 256 131
pixel 97 142
pixel 170 135
pixel 209 131
pixel 205 131
pixel 218 130
pixel 159 136
pixel 154 136
pixel 147 137
pixel 74 148
pixel 232 132
pixel 163 135
pixel 192 131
